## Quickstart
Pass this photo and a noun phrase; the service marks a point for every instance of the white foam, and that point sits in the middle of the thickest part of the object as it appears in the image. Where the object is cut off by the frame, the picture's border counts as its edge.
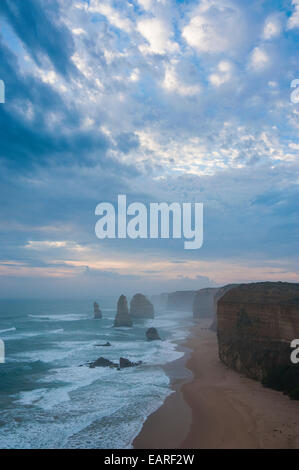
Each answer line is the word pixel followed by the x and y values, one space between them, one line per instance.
pixel 7 330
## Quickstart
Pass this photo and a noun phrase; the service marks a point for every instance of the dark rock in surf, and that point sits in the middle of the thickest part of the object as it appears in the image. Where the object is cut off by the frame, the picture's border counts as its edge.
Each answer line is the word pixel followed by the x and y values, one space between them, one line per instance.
pixel 102 362
pixel 123 363
pixel 152 334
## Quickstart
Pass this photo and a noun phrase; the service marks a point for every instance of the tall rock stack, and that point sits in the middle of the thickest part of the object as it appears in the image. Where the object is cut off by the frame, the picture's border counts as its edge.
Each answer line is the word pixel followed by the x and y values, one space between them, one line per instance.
pixel 97 311
pixel 141 307
pixel 122 318
pixel 256 324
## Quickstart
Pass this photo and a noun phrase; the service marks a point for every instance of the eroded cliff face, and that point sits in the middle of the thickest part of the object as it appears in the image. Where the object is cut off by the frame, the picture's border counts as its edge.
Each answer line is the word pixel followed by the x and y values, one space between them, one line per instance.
pixel 141 307
pixel 217 296
pixel 203 304
pixel 181 300
pixel 256 323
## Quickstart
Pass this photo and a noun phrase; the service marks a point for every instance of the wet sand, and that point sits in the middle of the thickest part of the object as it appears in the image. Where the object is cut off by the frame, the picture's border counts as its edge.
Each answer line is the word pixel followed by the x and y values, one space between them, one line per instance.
pixel 217 408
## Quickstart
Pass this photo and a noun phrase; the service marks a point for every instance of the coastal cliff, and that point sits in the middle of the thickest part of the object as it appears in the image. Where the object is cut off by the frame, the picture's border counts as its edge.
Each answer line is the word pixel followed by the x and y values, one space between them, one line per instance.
pixel 203 303
pixel 181 300
pixel 141 307
pixel 217 296
pixel 256 323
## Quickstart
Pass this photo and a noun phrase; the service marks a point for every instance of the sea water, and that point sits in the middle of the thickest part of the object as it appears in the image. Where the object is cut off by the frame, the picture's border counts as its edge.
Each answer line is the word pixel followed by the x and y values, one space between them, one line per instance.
pixel 50 398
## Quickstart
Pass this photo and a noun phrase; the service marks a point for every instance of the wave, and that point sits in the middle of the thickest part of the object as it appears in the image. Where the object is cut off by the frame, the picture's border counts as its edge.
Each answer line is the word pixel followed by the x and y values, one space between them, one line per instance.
pixel 57 317
pixel 7 330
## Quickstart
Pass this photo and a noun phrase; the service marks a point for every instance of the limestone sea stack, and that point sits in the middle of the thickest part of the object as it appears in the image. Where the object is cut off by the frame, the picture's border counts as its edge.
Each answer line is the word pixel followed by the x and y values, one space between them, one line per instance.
pixel 97 311
pixel 256 324
pixel 141 307
pixel 122 318
pixel 152 334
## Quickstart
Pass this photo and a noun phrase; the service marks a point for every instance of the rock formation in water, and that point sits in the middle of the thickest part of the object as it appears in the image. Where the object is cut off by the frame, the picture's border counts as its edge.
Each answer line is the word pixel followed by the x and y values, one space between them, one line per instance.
pixel 122 317
pixel 152 334
pixel 141 307
pixel 97 311
pixel 256 324
pixel 123 363
pixel 102 362
pixel 181 300
pixel 203 304
pixel 217 296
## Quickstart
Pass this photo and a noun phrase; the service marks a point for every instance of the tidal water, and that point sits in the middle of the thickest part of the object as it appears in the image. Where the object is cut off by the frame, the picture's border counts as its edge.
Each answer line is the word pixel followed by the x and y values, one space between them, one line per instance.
pixel 50 399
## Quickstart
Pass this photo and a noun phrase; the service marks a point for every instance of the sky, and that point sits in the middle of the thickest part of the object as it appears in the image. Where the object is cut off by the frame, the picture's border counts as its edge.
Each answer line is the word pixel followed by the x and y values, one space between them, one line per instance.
pixel 161 100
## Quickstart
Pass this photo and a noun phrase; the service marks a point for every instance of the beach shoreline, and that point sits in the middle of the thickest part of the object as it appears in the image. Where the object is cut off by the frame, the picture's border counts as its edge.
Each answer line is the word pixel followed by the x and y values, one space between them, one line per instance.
pixel 214 407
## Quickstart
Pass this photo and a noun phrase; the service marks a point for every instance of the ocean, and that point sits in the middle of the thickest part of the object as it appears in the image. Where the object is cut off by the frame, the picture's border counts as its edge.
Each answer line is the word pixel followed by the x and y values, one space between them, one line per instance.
pixel 50 399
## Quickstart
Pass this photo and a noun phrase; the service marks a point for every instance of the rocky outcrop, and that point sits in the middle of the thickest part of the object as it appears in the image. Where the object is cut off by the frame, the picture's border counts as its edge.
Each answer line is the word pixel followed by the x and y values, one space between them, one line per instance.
pixel 203 304
pixel 122 317
pixel 256 323
pixel 181 300
pixel 141 307
pixel 123 363
pixel 220 292
pixel 102 362
pixel 97 311
pixel 152 334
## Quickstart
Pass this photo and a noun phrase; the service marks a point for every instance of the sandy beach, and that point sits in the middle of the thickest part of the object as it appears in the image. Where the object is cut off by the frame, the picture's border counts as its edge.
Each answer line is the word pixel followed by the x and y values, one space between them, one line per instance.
pixel 213 407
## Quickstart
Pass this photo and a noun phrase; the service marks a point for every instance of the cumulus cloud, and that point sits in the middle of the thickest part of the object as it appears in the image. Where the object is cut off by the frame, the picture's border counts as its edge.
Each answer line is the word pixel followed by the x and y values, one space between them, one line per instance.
pixel 214 27
pixel 223 74
pixel 259 59
pixel 159 103
pixel 158 35
pixel 272 26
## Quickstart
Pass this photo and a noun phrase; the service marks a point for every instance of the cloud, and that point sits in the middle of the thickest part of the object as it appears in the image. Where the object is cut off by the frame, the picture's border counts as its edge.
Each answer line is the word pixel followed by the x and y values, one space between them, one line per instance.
pixel 214 27
pixel 116 18
pixel 173 84
pixel 224 73
pixel 41 32
pixel 158 35
pixel 272 26
pixel 259 59
pixel 293 21
pixel 158 100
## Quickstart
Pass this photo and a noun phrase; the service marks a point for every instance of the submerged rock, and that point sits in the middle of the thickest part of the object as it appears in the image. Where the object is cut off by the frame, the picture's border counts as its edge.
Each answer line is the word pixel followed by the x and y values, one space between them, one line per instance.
pixel 97 311
pixel 141 307
pixel 122 317
pixel 102 362
pixel 152 334
pixel 123 362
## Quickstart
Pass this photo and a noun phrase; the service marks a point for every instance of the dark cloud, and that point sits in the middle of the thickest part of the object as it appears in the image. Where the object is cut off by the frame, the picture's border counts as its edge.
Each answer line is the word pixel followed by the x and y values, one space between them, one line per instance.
pixel 39 27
